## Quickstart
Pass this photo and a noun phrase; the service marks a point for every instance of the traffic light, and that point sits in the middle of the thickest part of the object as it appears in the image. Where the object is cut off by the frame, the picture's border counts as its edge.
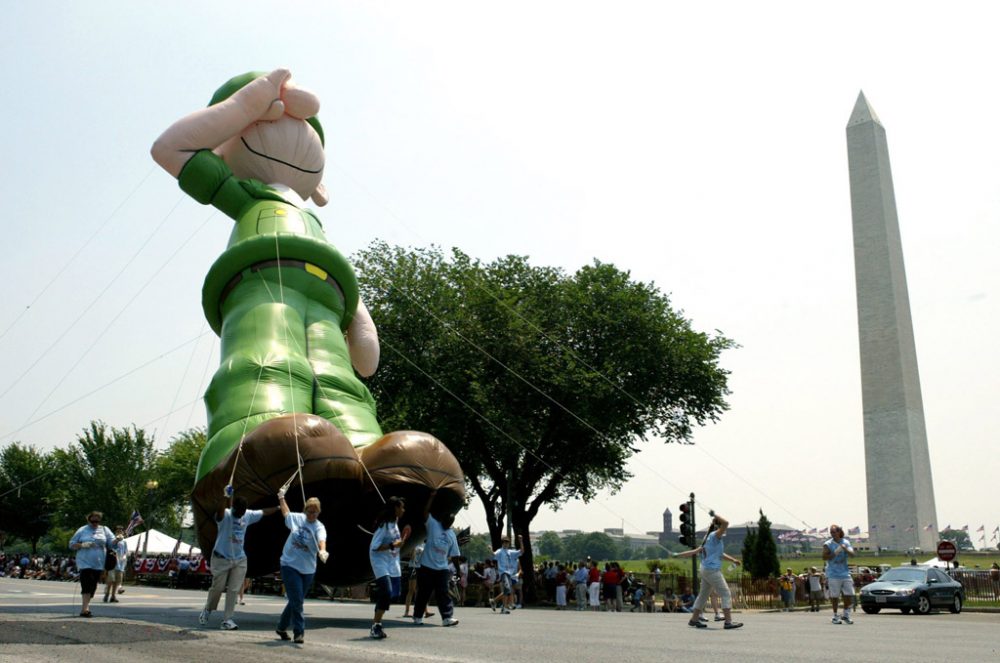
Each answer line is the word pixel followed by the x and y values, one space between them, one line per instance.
pixel 687 525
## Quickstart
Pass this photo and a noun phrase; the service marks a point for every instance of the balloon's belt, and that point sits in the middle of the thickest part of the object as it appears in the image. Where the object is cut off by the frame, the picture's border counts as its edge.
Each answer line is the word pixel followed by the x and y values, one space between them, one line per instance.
pixel 318 272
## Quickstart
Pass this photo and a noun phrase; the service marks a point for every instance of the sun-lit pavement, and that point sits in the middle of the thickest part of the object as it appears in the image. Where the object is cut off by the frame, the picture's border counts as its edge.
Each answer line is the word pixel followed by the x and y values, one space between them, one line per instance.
pixel 38 622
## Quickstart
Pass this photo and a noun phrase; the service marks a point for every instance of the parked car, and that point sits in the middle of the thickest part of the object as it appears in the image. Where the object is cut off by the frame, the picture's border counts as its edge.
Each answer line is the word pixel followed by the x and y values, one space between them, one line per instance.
pixel 916 588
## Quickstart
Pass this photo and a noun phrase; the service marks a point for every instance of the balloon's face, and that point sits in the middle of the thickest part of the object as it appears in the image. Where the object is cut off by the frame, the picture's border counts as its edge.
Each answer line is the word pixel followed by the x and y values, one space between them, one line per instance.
pixel 286 151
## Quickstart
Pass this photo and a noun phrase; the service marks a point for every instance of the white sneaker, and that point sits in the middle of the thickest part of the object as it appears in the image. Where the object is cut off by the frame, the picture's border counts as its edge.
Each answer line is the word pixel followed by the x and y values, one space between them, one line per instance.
pixel 229 625
pixel 203 617
pixel 417 621
pixel 835 620
pixel 846 620
pixel 451 621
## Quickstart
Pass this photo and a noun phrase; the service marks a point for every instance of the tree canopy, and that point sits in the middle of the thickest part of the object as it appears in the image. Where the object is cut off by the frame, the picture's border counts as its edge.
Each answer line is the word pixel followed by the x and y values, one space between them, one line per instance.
pixel 764 551
pixel 542 383
pixel 26 481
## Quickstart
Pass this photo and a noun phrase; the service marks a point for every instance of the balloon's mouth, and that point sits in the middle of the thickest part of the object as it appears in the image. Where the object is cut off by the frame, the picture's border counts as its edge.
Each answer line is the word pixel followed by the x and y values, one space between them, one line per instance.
pixel 277 160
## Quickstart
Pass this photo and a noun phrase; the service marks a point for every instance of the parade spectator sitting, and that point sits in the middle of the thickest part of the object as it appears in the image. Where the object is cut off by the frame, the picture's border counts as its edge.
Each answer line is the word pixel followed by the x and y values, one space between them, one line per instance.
pixel 671 602
pixel 686 600
pixel 637 597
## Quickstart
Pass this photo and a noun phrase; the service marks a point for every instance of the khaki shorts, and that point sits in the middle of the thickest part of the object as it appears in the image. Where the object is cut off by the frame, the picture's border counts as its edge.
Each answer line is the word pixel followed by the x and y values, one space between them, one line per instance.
pixel 115 575
pixel 840 587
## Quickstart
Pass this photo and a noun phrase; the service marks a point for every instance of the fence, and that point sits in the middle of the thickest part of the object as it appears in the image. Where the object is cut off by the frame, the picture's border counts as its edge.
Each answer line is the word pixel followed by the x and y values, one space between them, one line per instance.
pixel 763 594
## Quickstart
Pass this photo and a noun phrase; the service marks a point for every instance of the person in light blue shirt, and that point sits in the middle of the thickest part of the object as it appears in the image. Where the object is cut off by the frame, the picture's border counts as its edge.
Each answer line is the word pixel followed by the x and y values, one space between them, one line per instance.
pixel 507 561
pixel 836 550
pixel 92 541
pixel 435 569
pixel 229 560
pixel 115 576
pixel 306 541
pixel 383 553
pixel 712 552
pixel 580 582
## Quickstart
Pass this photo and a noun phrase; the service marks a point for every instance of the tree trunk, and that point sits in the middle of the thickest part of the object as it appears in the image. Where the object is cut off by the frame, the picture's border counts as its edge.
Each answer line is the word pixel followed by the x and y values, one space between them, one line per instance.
pixel 521 525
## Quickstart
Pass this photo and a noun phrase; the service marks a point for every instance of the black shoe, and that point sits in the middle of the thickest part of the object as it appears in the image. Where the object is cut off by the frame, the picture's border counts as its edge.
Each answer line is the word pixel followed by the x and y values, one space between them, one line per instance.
pixel 730 625
pixel 282 634
pixel 299 638
pixel 113 600
pixel 698 624
pixel 86 613
pixel 105 598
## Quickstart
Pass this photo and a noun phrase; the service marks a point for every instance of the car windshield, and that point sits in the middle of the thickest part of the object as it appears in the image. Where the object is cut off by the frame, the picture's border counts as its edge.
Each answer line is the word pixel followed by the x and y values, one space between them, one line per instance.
pixel 904 575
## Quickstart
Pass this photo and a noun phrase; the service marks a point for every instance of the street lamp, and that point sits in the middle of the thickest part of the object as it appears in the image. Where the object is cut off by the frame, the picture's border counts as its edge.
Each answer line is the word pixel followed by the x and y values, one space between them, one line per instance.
pixel 151 487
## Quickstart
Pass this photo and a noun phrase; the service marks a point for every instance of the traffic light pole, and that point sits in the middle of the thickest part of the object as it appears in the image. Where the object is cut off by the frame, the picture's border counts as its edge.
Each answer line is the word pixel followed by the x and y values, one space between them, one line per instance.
pixel 687 537
pixel 694 560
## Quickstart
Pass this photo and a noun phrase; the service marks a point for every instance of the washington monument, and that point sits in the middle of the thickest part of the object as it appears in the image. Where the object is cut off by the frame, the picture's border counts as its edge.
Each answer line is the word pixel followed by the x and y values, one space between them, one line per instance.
pixel 901 512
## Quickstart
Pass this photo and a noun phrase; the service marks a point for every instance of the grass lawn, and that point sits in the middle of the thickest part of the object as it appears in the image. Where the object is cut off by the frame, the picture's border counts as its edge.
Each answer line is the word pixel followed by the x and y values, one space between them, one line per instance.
pixel 983 560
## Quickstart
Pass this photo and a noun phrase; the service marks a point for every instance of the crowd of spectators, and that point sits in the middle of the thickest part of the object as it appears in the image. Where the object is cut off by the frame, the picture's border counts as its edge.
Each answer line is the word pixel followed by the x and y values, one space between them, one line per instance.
pixel 38 567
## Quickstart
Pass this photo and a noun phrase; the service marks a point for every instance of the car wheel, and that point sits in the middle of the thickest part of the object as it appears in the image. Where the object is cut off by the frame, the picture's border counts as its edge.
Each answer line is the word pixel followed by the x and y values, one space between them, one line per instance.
pixel 870 610
pixel 956 604
pixel 923 605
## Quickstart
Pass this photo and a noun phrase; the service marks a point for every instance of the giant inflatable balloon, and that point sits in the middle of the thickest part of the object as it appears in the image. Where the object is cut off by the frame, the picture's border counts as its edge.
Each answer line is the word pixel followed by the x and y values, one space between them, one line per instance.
pixel 286 399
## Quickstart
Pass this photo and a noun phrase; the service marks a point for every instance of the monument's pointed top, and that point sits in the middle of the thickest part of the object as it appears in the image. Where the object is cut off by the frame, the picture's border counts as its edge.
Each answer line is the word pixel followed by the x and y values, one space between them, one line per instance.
pixel 863 112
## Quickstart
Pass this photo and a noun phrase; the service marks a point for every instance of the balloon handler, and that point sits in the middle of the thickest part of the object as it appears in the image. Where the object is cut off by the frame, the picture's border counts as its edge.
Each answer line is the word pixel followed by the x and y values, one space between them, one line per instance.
pixel 285 303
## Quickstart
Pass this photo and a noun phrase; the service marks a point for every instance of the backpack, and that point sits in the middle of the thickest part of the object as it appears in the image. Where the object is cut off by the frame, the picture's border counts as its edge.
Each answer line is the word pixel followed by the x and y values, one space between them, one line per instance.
pixel 111 554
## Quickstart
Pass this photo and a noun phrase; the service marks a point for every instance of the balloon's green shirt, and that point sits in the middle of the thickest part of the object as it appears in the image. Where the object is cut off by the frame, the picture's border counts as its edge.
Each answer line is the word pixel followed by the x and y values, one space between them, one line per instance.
pixel 268 227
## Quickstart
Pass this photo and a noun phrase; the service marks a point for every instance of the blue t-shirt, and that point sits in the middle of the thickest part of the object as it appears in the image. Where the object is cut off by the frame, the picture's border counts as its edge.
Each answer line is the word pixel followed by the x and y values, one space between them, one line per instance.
pixel 232 533
pixel 122 549
pixel 712 553
pixel 385 562
pixel 506 560
pixel 440 547
pixel 302 544
pixel 580 575
pixel 92 557
pixel 836 566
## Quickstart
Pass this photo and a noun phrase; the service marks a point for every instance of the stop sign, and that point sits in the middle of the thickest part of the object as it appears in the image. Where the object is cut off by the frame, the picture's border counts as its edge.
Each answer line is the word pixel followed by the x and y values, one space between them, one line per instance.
pixel 946 551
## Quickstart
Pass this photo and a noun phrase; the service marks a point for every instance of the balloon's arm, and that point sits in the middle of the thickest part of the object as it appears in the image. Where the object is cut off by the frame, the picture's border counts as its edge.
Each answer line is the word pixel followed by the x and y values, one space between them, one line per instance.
pixel 362 341
pixel 208 128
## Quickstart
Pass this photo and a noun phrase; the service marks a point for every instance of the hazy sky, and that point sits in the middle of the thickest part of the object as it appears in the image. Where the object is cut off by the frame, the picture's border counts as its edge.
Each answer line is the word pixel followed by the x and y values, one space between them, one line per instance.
pixel 701 148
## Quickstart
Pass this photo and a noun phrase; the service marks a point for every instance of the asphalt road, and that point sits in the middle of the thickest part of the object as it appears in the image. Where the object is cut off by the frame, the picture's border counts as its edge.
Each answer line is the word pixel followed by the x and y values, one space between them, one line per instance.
pixel 38 622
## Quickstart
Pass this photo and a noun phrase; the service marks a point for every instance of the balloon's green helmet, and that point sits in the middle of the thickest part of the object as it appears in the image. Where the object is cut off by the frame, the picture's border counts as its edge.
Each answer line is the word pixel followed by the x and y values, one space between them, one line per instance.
pixel 237 82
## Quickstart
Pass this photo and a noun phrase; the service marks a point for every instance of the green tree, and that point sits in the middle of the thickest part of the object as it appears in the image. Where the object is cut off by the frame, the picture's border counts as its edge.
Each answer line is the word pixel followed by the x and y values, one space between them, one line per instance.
pixel 174 471
pixel 541 383
pixel 478 548
pixel 26 481
pixel 599 545
pixel 550 544
pixel 959 537
pixel 106 469
pixel 747 554
pixel 765 551
pixel 625 551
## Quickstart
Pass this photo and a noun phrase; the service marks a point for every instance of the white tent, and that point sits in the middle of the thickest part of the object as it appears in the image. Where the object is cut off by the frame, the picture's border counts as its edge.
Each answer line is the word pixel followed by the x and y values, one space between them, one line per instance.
pixel 159 543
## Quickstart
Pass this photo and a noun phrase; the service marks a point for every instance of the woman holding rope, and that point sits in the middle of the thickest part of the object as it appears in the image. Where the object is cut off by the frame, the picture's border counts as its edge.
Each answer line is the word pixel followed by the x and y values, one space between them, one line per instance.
pixel 306 540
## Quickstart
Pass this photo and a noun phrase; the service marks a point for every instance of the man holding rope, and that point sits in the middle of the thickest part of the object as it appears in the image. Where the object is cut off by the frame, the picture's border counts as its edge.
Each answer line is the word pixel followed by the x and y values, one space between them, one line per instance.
pixel 229 561
pixel 712 553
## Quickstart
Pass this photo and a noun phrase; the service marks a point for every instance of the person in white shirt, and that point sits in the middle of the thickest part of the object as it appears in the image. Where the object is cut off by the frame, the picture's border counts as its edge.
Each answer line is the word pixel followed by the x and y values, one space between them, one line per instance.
pixel 507 562
pixel 383 553
pixel 229 560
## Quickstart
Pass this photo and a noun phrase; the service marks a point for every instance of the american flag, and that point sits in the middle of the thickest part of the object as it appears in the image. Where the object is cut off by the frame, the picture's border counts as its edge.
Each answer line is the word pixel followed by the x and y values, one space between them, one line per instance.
pixel 133 522
pixel 854 530
pixel 982 528
pixel 965 528
pixel 928 528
